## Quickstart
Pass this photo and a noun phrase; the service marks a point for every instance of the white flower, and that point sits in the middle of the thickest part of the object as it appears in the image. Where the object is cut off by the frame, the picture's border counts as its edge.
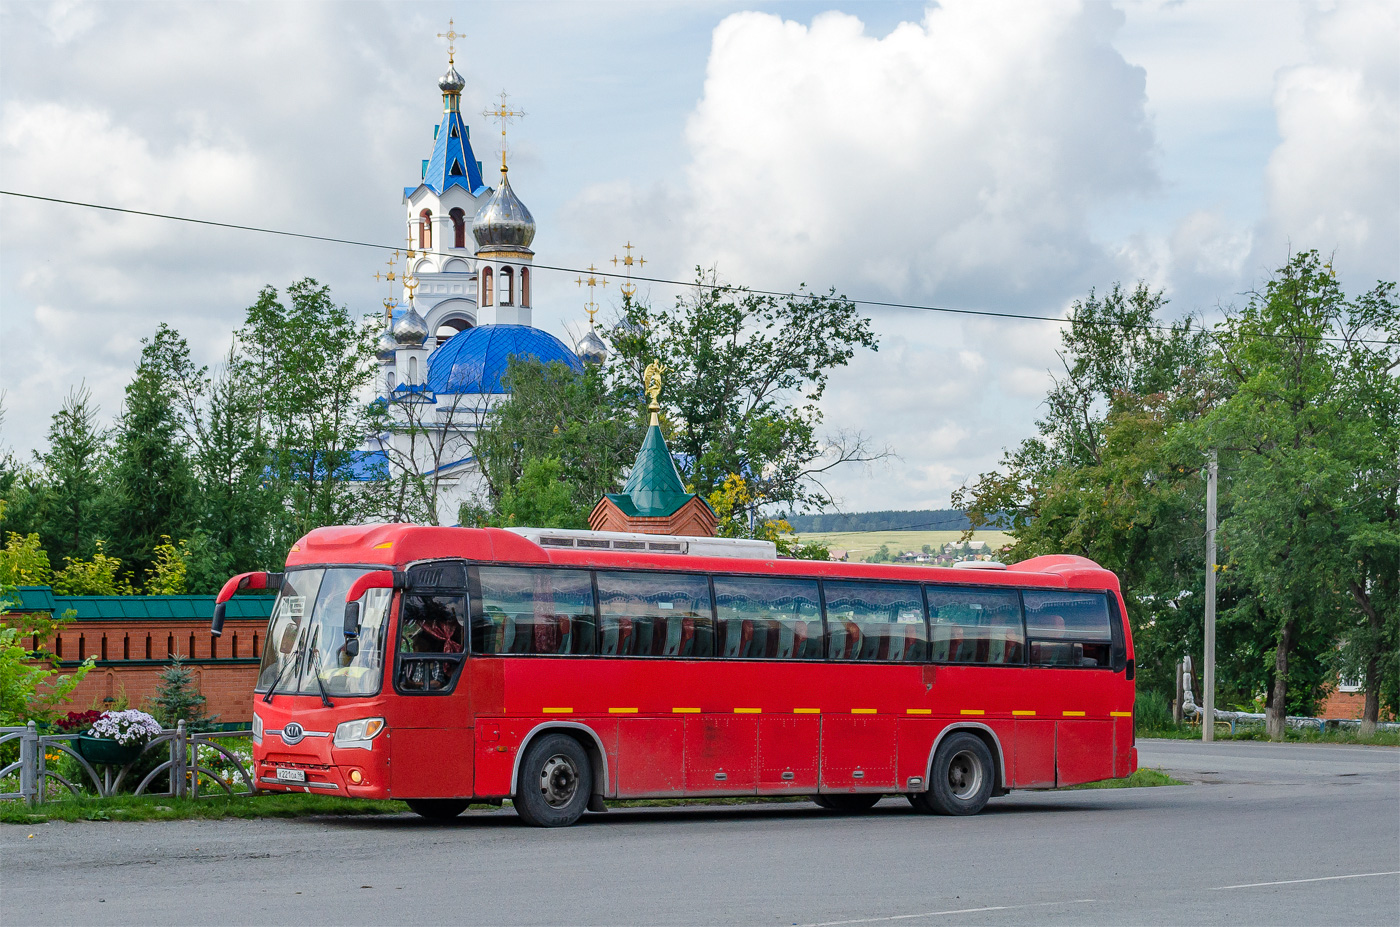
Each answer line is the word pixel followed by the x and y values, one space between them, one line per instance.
pixel 126 727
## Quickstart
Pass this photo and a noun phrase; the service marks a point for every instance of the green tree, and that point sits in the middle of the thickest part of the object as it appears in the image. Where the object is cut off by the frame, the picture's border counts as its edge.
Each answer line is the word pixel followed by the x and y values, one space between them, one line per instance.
pixel 310 362
pixel 98 576
pixel 178 698
pixel 23 562
pixel 152 485
pixel 219 417
pixel 745 373
pixel 590 425
pixel 1110 475
pixel 31 686
pixel 540 498
pixel 1309 480
pixel 74 467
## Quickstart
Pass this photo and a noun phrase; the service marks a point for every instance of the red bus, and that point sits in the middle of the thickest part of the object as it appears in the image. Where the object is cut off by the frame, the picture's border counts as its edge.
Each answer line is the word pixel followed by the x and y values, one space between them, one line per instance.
pixel 558 669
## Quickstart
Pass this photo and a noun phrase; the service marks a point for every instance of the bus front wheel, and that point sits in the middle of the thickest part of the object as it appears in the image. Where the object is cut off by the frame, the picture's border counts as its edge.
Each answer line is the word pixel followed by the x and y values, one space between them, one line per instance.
pixel 556 780
pixel 962 777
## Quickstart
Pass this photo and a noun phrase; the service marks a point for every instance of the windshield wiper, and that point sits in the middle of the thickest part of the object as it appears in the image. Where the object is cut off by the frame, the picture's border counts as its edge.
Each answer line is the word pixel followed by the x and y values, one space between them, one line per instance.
pixel 295 658
pixel 325 699
pixel 280 673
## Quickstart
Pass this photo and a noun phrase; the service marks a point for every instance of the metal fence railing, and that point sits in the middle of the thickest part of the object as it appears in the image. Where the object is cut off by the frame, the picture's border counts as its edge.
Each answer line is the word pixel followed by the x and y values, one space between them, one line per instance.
pixel 189 760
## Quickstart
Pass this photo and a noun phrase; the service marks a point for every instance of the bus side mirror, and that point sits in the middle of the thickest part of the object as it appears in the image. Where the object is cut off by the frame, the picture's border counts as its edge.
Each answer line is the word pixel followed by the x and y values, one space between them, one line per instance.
pixel 378 579
pixel 352 628
pixel 240 583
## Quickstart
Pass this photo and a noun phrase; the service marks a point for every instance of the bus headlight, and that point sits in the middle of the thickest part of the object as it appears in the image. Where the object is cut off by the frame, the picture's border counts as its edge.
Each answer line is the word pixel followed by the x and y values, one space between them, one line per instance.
pixel 257 728
pixel 358 734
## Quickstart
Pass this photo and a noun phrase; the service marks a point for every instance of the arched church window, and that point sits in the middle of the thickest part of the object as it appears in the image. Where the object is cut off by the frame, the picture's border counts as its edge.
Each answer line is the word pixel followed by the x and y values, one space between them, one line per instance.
pixel 488 293
pixel 507 286
pixel 524 286
pixel 389 381
pixel 425 229
pixel 459 228
pixel 413 370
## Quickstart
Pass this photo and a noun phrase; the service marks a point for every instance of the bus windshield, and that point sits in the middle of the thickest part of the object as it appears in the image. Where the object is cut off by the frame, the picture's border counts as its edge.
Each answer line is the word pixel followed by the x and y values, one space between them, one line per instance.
pixel 306 636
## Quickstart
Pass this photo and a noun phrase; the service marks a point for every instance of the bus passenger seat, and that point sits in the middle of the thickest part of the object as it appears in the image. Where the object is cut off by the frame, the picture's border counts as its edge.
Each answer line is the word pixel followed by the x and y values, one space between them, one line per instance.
pixel 853 641
pixel 787 639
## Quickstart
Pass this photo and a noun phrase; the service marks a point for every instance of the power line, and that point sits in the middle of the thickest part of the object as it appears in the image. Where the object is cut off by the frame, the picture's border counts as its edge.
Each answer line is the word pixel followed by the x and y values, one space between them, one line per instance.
pixel 884 304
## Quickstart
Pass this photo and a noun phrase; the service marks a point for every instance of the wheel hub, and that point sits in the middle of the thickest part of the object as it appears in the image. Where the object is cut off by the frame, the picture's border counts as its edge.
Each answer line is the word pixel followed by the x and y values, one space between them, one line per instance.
pixel 558 780
pixel 964 775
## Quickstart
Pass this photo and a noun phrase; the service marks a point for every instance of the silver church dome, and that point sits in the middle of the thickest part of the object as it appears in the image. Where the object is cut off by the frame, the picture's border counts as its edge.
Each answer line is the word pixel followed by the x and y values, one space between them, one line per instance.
pixel 387 344
pixel 591 349
pixel 451 82
pixel 412 329
pixel 503 223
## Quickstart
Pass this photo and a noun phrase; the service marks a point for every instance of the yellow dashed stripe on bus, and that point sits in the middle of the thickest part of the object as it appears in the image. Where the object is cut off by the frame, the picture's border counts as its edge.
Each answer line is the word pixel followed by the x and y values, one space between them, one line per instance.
pixel 622 711
pixel 1023 714
pixel 862 711
pixel 557 711
pixel 1120 714
pixel 747 711
pixel 972 711
pixel 685 711
pixel 806 711
pixel 918 711
pixel 1074 714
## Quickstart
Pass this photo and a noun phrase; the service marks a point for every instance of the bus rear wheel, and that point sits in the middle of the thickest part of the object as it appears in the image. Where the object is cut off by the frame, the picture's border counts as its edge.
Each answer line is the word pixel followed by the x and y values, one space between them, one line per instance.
pixel 847 804
pixel 962 777
pixel 437 809
pixel 556 780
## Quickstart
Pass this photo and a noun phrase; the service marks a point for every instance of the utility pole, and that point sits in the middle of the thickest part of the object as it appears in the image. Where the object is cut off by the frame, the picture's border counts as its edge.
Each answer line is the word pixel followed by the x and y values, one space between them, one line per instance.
pixel 1208 704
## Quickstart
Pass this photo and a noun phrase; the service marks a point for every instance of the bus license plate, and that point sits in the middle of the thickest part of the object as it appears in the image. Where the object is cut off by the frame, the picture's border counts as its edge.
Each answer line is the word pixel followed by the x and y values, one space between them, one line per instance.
pixel 291 775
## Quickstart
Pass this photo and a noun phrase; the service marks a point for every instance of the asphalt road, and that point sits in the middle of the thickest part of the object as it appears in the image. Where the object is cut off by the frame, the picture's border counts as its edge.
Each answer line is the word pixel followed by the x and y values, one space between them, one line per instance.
pixel 1265 834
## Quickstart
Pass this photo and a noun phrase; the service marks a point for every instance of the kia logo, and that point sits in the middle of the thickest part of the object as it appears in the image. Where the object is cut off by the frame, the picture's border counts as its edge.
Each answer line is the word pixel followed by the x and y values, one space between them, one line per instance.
pixel 293 733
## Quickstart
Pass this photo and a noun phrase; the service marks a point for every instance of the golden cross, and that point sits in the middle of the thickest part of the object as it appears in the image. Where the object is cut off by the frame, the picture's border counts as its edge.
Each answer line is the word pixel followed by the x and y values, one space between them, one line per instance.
pixel 504 115
pixel 452 37
pixel 628 288
pixel 591 281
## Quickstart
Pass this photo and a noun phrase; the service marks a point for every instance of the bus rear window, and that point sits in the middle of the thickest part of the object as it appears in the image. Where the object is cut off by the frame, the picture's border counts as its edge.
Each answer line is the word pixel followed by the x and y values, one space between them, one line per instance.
pixel 1068 628
pixel 975 625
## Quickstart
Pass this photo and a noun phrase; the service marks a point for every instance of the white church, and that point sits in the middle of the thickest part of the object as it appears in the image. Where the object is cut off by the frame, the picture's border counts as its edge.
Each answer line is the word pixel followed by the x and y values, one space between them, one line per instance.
pixel 465 311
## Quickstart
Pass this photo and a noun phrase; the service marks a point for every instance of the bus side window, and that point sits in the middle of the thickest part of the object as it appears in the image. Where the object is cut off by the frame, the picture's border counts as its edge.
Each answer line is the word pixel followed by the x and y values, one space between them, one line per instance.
pixel 432 634
pixel 876 622
pixel 969 625
pixel 768 618
pixel 654 615
pixel 533 611
pixel 1068 628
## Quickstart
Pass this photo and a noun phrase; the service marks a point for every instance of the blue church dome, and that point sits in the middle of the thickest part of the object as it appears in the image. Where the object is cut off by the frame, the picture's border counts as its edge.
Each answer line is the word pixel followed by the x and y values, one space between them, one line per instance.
pixel 475 360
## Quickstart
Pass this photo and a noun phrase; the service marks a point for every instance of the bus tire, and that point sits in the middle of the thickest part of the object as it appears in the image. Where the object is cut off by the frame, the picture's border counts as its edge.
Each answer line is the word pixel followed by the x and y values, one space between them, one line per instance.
pixel 556 780
pixel 847 804
pixel 962 778
pixel 437 809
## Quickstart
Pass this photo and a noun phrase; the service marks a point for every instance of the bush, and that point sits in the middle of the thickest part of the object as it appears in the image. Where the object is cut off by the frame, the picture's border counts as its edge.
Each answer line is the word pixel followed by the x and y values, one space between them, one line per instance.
pixel 1152 712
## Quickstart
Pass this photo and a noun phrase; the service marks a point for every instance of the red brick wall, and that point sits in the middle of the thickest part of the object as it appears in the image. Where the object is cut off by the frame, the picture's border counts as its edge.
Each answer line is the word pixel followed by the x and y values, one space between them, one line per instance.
pixel 225 668
pixel 1343 705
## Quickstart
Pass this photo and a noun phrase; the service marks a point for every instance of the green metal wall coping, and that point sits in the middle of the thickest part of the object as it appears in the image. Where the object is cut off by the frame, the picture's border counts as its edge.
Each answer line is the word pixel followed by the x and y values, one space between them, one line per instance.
pixel 139 607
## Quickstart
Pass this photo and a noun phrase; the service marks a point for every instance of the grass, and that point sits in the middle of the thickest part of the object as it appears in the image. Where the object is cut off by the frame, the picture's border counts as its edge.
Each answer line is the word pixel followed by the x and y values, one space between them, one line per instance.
pixel 1142 779
pixel 165 808
pixel 861 544
pixel 1292 735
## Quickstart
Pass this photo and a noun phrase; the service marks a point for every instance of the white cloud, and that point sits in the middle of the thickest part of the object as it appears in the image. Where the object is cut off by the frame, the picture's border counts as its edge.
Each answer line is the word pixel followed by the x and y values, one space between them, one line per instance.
pixel 1334 179
pixel 960 153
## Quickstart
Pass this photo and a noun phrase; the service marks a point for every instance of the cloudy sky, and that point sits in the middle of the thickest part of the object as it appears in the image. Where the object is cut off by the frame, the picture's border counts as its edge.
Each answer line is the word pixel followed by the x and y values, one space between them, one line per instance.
pixel 1004 156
